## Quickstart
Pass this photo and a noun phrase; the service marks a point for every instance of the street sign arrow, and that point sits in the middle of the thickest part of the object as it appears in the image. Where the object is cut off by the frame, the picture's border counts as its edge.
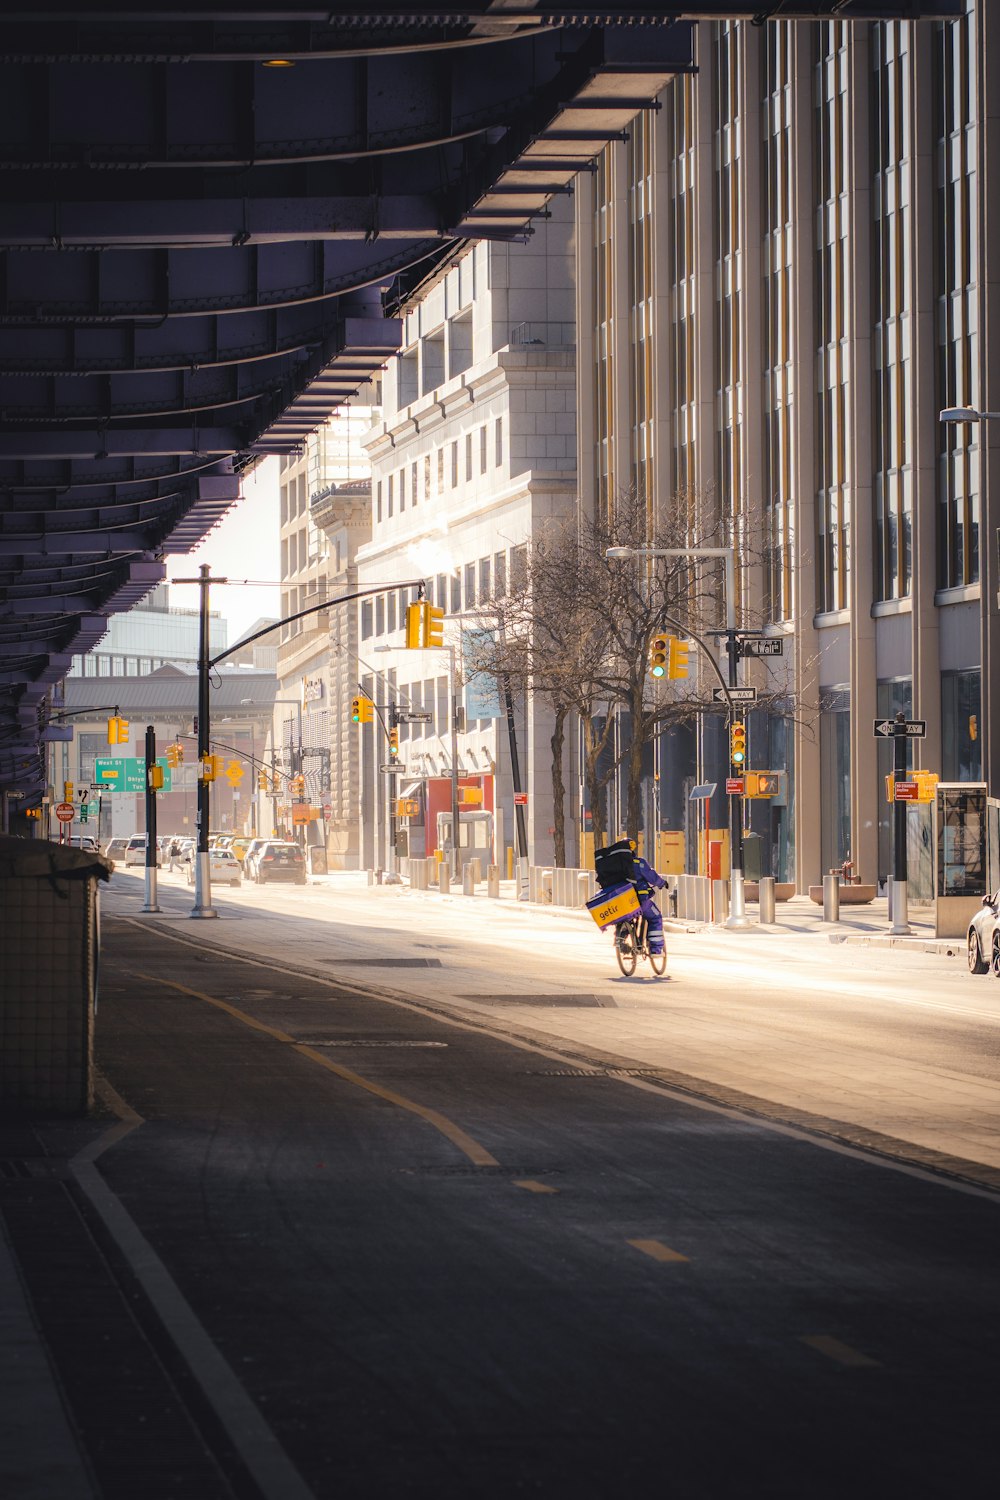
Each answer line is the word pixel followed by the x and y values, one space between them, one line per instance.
pixel 913 729
pixel 415 716
pixel 737 694
pixel 393 768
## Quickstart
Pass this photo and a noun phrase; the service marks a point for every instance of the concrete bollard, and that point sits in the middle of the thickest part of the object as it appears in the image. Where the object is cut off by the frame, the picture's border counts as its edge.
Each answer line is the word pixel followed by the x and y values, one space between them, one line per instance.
pixel 545 887
pixel 584 881
pixel 720 900
pixel 493 880
pixel 766 900
pixel 371 876
pixel 831 897
pixel 444 878
pixel 469 878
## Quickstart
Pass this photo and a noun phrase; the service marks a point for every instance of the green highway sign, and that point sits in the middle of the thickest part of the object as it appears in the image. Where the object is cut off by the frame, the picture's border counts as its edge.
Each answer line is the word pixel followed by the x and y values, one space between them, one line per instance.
pixel 127 773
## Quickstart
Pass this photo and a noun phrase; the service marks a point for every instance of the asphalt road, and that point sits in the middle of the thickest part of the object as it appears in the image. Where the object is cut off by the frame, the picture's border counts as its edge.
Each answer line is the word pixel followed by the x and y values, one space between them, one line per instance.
pixel 439 1261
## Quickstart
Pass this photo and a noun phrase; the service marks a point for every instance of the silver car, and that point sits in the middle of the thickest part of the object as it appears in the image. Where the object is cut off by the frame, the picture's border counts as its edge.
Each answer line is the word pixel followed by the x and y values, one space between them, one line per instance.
pixel 983 939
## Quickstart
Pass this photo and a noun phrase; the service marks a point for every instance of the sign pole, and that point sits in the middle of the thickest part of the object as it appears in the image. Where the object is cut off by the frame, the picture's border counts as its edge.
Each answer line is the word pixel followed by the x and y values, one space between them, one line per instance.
pixel 900 896
pixel 150 903
pixel 737 901
pixel 202 875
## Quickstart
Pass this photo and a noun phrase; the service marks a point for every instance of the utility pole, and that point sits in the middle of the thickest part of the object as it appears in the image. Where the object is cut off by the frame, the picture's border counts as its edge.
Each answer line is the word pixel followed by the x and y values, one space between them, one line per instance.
pixel 152 853
pixel 737 900
pixel 202 877
pixel 900 894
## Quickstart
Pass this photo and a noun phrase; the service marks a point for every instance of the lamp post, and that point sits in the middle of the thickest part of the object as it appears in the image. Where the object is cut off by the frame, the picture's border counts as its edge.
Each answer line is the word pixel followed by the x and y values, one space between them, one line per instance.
pixel 737 904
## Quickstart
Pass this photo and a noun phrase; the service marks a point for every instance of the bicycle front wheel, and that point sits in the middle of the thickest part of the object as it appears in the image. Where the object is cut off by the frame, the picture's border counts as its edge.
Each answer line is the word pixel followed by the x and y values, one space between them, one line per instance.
pixel 658 962
pixel 626 948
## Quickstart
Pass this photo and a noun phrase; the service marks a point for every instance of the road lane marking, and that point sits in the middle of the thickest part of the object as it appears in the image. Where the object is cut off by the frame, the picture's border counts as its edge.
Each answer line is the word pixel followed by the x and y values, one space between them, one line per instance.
pixel 843 1354
pixel 531 1186
pixel 656 1250
pixel 469 1147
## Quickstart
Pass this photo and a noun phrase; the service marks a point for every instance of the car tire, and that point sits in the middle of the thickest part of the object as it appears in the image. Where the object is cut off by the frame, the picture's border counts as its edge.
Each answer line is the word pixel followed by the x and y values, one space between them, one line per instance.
pixel 977 963
pixel 995 956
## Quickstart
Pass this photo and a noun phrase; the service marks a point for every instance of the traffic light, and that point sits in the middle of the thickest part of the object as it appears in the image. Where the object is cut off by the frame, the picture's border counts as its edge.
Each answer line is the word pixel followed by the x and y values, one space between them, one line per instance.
pixel 677 662
pixel 67 791
pixel 433 625
pixel 117 731
pixel 263 782
pixel 298 785
pixel 414 626
pixel 175 755
pixel 209 767
pixel 738 743
pixel 659 648
pixel 424 625
pixel 393 743
pixel 362 710
pixel 156 777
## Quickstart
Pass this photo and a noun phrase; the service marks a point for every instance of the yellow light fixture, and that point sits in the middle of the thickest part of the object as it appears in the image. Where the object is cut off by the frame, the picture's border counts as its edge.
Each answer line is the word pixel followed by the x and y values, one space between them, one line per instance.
pixel 278 62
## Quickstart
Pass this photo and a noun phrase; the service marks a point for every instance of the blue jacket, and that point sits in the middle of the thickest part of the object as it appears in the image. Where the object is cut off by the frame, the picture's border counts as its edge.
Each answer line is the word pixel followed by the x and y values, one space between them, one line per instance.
pixel 647 875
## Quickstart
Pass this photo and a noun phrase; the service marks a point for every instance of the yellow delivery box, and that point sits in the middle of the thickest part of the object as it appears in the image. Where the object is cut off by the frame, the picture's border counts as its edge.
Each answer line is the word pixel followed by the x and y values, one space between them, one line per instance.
pixel 616 904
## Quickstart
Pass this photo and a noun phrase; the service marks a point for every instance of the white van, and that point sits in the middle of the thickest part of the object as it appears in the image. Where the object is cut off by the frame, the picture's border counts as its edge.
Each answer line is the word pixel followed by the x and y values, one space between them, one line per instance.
pixel 135 853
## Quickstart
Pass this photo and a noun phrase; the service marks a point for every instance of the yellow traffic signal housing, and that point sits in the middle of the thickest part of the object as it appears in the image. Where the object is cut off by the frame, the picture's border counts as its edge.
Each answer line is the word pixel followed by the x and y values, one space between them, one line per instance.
pixel 470 796
pixel 362 710
pixel 414 626
pixel 67 791
pixel 117 731
pixel 209 767
pixel 156 778
pixel 659 648
pixel 738 743
pixel 677 660
pixel 262 781
pixel 175 754
pixel 393 743
pixel 298 785
pixel 761 783
pixel 926 784
pixel 407 807
pixel 433 625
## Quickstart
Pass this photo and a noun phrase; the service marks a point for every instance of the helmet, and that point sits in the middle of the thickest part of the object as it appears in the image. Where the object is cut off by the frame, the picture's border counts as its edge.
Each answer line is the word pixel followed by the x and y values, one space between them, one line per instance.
pixel 623 838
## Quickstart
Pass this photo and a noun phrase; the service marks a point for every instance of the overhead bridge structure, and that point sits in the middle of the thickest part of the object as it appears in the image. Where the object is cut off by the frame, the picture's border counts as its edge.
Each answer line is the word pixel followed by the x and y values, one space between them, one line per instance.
pixel 205 213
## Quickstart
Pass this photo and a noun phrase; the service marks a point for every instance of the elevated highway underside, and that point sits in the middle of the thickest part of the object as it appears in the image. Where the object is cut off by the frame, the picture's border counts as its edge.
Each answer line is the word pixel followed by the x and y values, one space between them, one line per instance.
pixel 207 218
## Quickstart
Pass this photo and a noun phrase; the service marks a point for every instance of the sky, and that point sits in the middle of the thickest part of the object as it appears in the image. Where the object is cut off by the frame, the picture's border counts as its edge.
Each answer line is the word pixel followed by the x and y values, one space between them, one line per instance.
pixel 246 545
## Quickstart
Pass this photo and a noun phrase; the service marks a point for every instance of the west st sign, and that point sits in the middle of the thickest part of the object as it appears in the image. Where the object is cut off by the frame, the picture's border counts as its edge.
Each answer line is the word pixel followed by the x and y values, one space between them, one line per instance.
pixel 127 773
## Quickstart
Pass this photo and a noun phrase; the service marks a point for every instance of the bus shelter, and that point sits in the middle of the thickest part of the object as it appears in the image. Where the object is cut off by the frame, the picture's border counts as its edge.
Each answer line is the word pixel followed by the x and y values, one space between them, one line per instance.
pixel 959 844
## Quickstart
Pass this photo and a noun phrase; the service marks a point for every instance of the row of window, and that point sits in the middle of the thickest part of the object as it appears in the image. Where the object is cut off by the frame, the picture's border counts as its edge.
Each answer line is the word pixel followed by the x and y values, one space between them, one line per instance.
pixel 438 356
pixel 474 584
pixel 101 665
pixel 428 477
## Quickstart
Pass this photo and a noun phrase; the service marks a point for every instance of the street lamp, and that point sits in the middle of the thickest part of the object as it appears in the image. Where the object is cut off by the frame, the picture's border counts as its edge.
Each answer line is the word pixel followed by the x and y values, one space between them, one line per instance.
pixel 737 905
pixel 966 414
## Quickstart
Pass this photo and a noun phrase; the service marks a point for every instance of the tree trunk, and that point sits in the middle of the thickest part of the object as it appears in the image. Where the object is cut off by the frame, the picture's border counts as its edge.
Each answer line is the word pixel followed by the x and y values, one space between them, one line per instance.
pixel 633 778
pixel 559 786
pixel 593 745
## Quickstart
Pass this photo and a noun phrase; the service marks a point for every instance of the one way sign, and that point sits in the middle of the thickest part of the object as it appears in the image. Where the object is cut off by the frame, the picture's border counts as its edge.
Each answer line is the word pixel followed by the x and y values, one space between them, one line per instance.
pixel 913 729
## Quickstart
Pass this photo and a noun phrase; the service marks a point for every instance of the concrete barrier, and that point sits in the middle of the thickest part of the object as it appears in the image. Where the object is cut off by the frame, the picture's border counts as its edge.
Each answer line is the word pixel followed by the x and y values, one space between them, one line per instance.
pixel 444 878
pixel 493 880
pixel 469 878
pixel 720 900
pixel 766 900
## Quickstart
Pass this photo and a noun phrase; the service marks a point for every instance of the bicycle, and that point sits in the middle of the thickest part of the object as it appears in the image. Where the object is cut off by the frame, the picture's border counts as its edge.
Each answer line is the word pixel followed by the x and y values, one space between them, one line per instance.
pixel 631 944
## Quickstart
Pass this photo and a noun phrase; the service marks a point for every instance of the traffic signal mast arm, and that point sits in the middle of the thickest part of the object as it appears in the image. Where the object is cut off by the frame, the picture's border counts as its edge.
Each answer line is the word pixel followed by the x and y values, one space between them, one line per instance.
pixel 314 609
pixel 691 635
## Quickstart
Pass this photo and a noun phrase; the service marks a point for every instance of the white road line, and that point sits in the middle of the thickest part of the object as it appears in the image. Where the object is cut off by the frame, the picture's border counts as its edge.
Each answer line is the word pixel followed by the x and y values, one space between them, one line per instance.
pixel 266 1461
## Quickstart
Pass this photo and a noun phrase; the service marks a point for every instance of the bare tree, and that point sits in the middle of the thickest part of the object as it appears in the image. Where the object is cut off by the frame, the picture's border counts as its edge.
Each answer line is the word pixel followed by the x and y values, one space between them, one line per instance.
pixel 577 627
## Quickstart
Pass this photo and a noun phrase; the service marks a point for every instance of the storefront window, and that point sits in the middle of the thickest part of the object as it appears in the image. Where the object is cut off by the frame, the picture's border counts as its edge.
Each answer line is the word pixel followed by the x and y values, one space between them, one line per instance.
pixel 835 776
pixel 961 747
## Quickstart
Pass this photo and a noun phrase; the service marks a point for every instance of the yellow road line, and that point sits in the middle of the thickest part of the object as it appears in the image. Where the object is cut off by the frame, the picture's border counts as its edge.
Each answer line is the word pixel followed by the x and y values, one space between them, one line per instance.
pixel 469 1147
pixel 531 1186
pixel 657 1250
pixel 834 1349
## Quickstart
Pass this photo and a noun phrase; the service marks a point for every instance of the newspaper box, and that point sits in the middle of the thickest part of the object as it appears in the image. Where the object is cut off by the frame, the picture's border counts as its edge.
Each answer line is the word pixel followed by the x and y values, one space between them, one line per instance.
pixel 616 904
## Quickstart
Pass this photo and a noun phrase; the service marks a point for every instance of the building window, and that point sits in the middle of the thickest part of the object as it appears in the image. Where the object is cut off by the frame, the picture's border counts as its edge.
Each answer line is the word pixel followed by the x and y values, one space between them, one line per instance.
pixel 378 501
pixel 961 746
pixel 468 457
pixel 402 491
pixel 413 484
pixel 833 293
pixel 380 615
pixel 835 773
pixel 441 591
pixel 454 465
pixel 500 574
pixel 639 175
pixel 777 163
pixel 390 623
pixel 390 485
pixel 498 442
pixel 440 471
pixel 406 372
pixel 470 585
pixel 603 320
pixel 729 270
pixel 891 302
pixel 482 450
pixel 518 566
pixel 484 580
pixel 456 595
pixel 428 491
pixel 956 133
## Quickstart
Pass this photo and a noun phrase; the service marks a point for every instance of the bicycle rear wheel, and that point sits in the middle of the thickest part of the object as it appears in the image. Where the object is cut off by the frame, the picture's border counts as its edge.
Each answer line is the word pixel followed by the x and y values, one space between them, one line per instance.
pixel 626 947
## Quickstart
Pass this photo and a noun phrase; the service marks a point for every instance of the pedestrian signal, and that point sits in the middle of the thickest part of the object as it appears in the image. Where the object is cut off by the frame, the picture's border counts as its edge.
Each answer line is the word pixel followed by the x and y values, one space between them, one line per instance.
pixel 407 807
pixel 156 778
pixel 677 658
pixel 762 784
pixel 362 710
pixel 659 648
pixel 738 743
pixel 209 767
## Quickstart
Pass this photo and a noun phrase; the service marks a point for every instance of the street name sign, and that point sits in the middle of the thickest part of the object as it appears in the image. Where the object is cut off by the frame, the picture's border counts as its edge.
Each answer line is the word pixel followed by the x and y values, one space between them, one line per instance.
pixel 890 729
pixel 737 694
pixel 127 773
pixel 415 715
pixel 392 768
pixel 771 645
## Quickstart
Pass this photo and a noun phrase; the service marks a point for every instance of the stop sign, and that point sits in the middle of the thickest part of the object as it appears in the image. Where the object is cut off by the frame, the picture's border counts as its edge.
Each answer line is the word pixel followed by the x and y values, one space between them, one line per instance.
pixel 65 812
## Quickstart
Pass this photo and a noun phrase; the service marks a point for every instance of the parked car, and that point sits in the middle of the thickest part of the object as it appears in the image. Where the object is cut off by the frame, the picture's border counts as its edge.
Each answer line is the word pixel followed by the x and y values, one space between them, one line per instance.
pixel 280 861
pixel 983 939
pixel 250 857
pixel 115 849
pixel 135 852
pixel 84 841
pixel 223 868
pixel 239 847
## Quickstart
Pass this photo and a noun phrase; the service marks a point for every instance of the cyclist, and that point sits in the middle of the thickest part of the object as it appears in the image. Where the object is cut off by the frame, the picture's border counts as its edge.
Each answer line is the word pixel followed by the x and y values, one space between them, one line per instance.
pixel 645 879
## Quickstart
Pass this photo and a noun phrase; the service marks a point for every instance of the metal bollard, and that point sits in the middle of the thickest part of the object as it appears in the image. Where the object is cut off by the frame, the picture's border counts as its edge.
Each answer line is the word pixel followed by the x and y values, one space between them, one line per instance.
pixel 493 880
pixel 766 899
pixel 444 878
pixel 831 897
pixel 720 900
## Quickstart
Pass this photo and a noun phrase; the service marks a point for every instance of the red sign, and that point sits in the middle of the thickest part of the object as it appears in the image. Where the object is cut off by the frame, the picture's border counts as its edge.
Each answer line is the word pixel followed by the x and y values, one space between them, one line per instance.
pixel 65 812
pixel 907 791
pixel 734 786
pixel 520 799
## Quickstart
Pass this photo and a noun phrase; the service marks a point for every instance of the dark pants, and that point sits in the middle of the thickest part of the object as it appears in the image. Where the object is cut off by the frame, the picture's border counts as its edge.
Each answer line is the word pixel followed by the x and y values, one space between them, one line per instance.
pixel 654 922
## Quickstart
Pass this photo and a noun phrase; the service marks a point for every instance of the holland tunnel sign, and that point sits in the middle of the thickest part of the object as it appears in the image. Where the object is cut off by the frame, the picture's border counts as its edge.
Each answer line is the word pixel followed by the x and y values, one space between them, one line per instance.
pixel 127 773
